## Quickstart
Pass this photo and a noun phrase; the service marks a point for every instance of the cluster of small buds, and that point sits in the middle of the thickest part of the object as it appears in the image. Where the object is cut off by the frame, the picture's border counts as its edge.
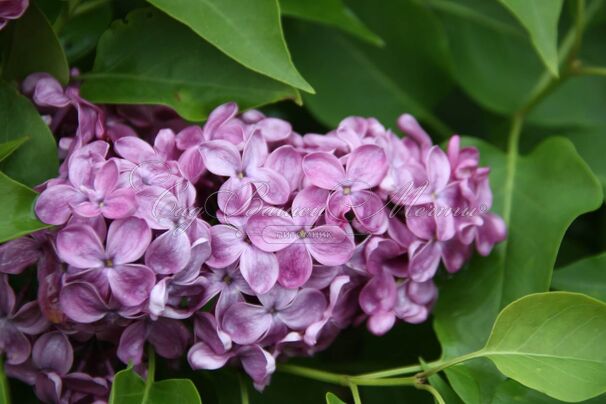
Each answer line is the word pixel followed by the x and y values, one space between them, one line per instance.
pixel 238 242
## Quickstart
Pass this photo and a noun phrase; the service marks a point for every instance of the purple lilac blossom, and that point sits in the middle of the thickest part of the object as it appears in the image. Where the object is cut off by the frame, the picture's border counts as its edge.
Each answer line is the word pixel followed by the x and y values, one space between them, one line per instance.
pixel 269 242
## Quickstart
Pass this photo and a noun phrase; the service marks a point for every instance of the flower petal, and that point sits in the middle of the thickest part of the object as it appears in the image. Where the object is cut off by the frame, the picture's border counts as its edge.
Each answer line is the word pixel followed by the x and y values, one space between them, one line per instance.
pixel 329 245
pixel 271 233
pixel 366 167
pixel 307 308
pixel 271 186
pixel 127 240
pixel 308 205
pixel 169 337
pixel 221 158
pixel 80 246
pixel 227 244
pixel 201 356
pixel 295 265
pixel 53 204
pixel 134 149
pixel 107 177
pixel 259 268
pixel 274 129
pixel 288 162
pixel 424 260
pixel 323 170
pixel 53 352
pixel 169 253
pixel 255 151
pixel 16 255
pixel 218 117
pixel 119 204
pixel 132 342
pixel 82 303
pixel 370 211
pixel 246 323
pixel 131 284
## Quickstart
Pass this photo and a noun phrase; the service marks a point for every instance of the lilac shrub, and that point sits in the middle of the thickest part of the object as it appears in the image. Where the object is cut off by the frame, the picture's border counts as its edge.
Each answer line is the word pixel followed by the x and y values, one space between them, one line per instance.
pixel 238 242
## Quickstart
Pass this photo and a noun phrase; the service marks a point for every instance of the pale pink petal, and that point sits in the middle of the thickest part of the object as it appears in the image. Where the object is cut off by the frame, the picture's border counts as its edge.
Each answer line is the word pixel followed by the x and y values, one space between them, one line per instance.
pixel 107 178
pixel 307 308
pixel 201 356
pixel 191 164
pixel 370 211
pixel 259 268
pixel 221 158
pixel 288 162
pixel 274 129
pixel 255 152
pixel 235 196
pixel 272 233
pixel 226 244
pixel 329 245
pixel 323 170
pixel 424 260
pixel 366 167
pixel 218 117
pixel 271 186
pixel 308 205
pixel 119 204
pixel 134 149
pixel 438 168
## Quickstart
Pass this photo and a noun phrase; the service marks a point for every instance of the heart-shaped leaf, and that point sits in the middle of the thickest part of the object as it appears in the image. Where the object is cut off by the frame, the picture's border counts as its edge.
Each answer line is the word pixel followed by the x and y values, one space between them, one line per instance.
pixel 250 32
pixel 138 63
pixel 552 342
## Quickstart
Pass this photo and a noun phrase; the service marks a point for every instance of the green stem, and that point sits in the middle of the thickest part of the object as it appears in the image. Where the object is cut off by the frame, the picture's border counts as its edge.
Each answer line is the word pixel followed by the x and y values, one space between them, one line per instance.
pixel 398 371
pixel 395 381
pixel 315 374
pixel 459 359
pixel 355 393
pixel 435 393
pixel 4 391
pixel 591 71
pixel 151 372
pixel 243 390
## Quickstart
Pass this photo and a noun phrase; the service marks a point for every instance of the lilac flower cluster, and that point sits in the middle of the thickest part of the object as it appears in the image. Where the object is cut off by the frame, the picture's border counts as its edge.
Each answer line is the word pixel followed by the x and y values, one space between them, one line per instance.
pixel 264 242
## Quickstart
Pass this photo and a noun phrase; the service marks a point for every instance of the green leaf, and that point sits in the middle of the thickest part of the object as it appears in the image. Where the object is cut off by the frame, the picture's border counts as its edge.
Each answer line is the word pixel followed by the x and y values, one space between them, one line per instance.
pixel 7 148
pixel 371 81
pixel 81 33
pixel 492 59
pixel 510 392
pixel 138 63
pixel 16 210
pixel 332 399
pixel 32 46
pixel 36 161
pixel 552 342
pixel 540 18
pixel 332 13
pixel 250 32
pixel 585 276
pixel 544 192
pixel 129 388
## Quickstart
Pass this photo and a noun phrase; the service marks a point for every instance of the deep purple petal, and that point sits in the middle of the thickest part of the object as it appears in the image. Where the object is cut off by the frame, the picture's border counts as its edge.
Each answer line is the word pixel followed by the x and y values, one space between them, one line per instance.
pixel 308 307
pixel 131 284
pixel 53 352
pixel 82 303
pixel 53 204
pixel 132 343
